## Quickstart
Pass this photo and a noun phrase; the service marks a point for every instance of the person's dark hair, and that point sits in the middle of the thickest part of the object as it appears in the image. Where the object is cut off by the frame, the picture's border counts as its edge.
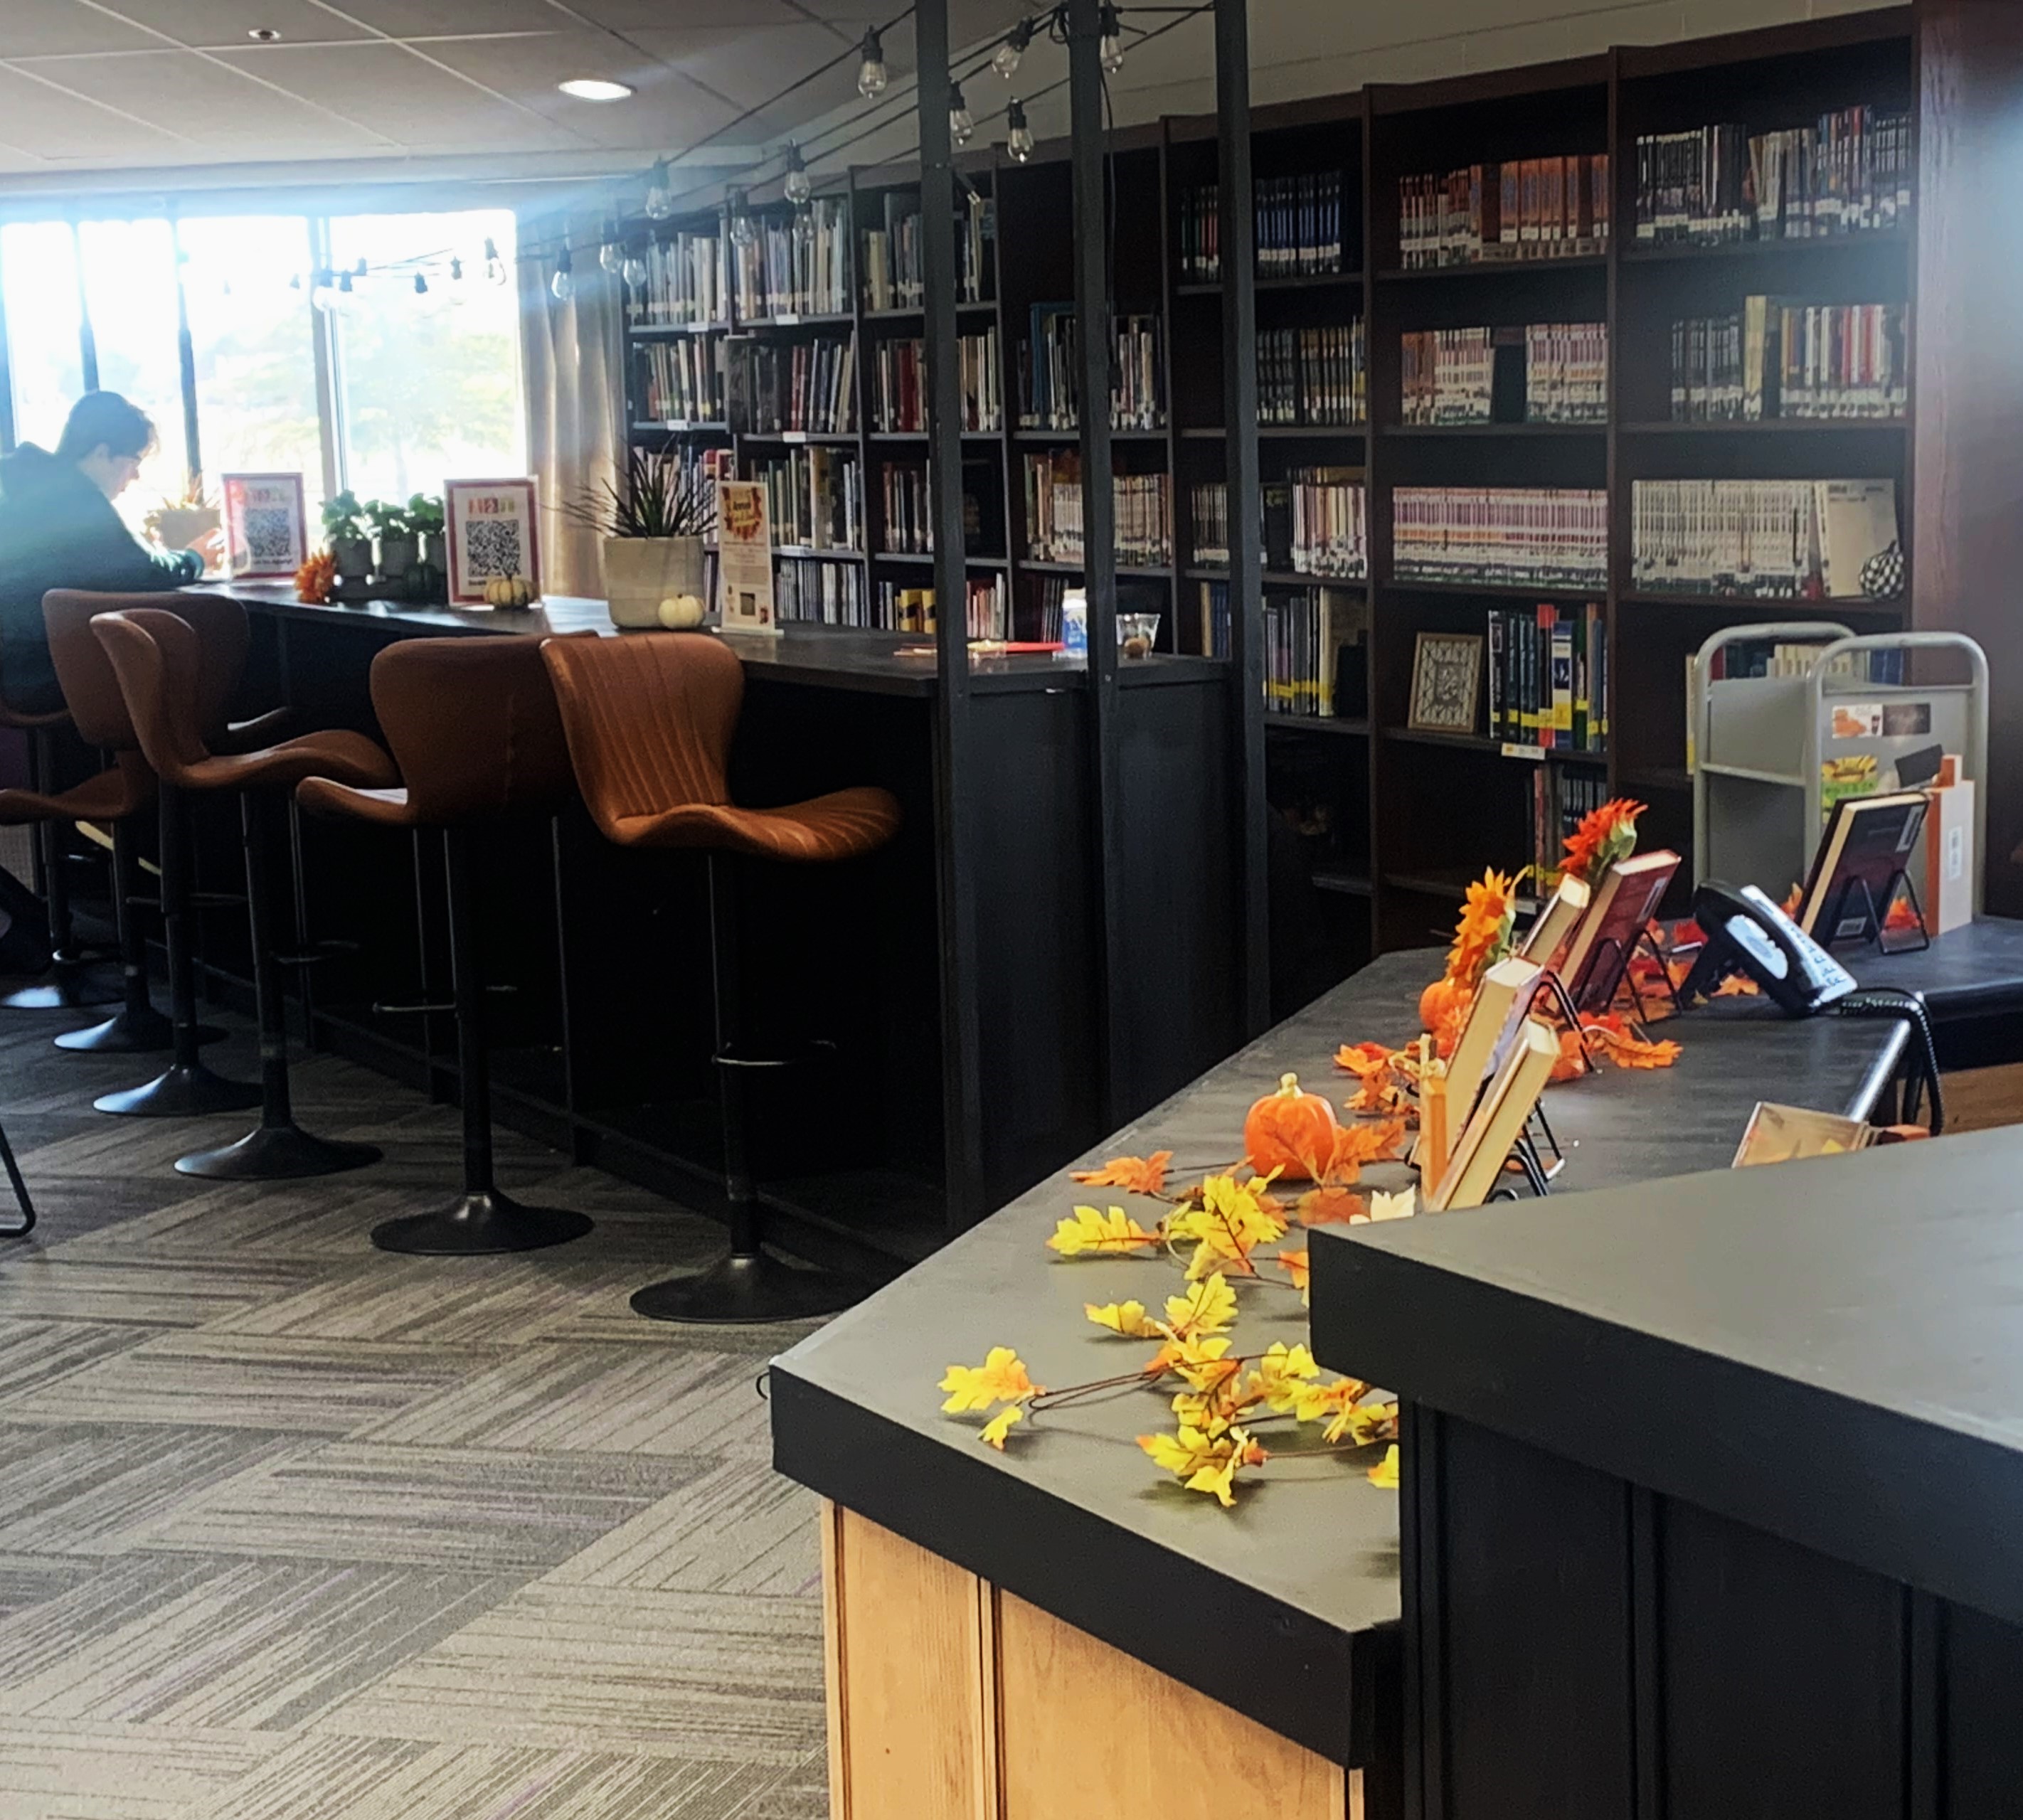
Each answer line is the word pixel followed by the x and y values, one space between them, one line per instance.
pixel 106 418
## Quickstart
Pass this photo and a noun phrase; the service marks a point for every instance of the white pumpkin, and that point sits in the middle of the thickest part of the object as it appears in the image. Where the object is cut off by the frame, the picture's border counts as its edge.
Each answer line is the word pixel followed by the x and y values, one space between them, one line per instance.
pixel 681 613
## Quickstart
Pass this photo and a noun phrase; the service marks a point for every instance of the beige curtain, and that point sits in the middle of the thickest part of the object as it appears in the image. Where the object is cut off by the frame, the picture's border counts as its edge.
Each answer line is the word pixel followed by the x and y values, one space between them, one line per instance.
pixel 574 357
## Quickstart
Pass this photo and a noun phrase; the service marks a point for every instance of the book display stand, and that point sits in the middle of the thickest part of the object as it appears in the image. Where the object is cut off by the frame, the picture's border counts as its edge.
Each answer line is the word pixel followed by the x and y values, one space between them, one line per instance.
pixel 1899 885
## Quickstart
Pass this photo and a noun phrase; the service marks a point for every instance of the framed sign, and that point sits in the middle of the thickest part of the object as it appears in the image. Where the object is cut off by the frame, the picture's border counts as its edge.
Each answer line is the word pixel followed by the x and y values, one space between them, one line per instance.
pixel 1447 677
pixel 744 558
pixel 266 527
pixel 494 529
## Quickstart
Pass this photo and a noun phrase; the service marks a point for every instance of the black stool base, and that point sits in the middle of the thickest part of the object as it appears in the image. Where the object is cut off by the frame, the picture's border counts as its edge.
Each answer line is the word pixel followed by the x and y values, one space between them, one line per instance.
pixel 181 1092
pixel 476 1225
pixel 70 991
pixel 276 1153
pixel 750 1290
pixel 126 1034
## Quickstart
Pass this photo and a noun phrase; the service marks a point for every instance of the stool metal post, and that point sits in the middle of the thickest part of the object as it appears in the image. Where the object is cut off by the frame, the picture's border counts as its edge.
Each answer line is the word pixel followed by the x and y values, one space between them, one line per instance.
pixel 186 1086
pixel 137 1028
pixel 70 986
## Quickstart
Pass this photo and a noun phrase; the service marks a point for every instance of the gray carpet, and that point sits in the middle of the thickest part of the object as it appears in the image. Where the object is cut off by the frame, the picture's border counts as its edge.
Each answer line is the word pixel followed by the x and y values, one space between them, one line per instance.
pixel 292 1529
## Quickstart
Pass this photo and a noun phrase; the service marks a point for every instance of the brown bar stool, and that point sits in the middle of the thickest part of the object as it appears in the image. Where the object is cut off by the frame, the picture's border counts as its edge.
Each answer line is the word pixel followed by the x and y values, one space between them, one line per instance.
pixel 472 722
pixel 71 985
pixel 650 720
pixel 157 658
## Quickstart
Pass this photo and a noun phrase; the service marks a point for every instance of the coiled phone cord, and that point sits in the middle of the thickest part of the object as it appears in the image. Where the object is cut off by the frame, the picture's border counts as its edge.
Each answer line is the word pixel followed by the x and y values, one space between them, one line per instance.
pixel 1890 1001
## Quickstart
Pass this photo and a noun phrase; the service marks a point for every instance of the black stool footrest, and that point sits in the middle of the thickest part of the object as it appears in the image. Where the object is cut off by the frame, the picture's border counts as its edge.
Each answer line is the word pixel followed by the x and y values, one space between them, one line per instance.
pixel 750 1290
pixel 815 1049
pixel 423 1011
pixel 477 1224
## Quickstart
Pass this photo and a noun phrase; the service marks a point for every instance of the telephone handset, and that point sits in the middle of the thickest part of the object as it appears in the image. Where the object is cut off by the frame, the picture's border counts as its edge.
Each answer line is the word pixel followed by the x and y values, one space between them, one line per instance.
pixel 1746 933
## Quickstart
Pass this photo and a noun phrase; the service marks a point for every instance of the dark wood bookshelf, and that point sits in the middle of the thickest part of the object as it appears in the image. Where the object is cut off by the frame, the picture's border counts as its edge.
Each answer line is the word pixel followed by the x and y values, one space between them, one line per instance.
pixel 1491 268
pixel 1769 251
pixel 1341 726
pixel 1543 431
pixel 1772 426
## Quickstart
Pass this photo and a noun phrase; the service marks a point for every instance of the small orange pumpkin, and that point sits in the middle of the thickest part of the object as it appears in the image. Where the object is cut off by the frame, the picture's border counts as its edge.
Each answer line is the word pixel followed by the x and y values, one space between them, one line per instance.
pixel 1291 1131
pixel 1444 1011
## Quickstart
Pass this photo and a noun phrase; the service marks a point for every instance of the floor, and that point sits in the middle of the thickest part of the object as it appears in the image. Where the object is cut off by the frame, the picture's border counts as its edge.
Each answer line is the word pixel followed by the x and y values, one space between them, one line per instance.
pixel 292 1529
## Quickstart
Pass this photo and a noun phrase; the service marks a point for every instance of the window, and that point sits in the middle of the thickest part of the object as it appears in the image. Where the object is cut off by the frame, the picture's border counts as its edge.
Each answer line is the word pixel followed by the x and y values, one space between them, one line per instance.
pixel 130 287
pixel 38 291
pixel 430 382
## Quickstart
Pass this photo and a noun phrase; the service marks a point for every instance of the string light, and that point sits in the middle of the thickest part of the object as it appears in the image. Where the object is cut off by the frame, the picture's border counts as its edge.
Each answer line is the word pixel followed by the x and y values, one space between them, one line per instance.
pixel 495 267
pixel 962 125
pixel 1111 52
pixel 659 202
pixel 797 186
pixel 871 74
pixel 421 285
pixel 1020 142
pixel 1006 60
pixel 611 256
pixel 563 283
pixel 744 230
pixel 635 271
pixel 456 269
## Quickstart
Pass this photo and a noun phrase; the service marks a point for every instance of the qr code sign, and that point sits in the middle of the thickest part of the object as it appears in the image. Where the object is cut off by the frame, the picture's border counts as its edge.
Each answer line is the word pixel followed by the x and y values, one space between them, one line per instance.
pixel 270 535
pixel 494 547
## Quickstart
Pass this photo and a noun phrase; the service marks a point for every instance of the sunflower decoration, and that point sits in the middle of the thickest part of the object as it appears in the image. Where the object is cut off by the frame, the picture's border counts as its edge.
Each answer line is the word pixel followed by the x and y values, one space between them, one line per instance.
pixel 1482 938
pixel 316 578
pixel 1605 835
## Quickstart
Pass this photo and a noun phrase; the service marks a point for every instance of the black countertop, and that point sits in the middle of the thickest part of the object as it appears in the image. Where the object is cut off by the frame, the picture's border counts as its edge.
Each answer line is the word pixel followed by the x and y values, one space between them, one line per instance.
pixel 1286 1608
pixel 1829 1350
pixel 1972 972
pixel 826 657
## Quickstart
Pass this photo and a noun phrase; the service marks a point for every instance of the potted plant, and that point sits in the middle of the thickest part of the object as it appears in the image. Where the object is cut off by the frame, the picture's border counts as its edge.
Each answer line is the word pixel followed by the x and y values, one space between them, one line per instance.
pixel 652 528
pixel 183 522
pixel 427 578
pixel 399 549
pixel 343 526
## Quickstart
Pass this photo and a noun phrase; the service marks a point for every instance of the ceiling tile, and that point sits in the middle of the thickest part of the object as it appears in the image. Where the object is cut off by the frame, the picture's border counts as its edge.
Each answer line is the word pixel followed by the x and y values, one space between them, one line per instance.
pixel 743 65
pixel 223 24
pixel 53 124
pixel 668 109
pixel 445 18
pixel 54 27
pixel 211 103
pixel 633 15
pixel 406 97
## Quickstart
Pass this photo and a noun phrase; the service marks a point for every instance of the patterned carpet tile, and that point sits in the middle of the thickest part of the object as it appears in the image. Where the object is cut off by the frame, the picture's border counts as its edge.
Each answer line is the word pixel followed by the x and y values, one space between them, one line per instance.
pixel 708 1675
pixel 189 1643
pixel 244 1381
pixel 102 1488
pixel 473 1508
pixel 117 1772
pixel 598 1399
pixel 741 1528
pixel 343 1778
pixel 150 1291
pixel 35 1354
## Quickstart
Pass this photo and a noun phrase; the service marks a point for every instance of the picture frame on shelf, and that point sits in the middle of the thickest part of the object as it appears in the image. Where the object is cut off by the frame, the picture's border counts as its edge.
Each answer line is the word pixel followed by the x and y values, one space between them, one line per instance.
pixel 266 526
pixel 495 533
pixel 1447 682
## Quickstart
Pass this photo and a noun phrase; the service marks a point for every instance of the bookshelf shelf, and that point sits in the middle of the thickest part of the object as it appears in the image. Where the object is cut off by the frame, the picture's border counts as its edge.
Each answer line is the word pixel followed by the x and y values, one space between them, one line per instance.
pixel 1494 432
pixel 1787 604
pixel 798 438
pixel 1494 590
pixel 1076 568
pixel 912 312
pixel 1494 748
pixel 811 320
pixel 1773 426
pixel 1491 269
pixel 672 330
pixel 1661 778
pixel 1340 878
pixel 807 553
pixel 681 429
pixel 1284 432
pixel 1061 437
pixel 927 562
pixel 1340 727
pixel 1292 281
pixel 1732 251
pixel 920 436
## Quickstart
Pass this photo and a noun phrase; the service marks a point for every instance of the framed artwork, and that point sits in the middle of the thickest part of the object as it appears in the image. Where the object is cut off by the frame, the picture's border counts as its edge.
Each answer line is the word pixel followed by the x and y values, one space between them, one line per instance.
pixel 1447 678
pixel 266 526
pixel 494 529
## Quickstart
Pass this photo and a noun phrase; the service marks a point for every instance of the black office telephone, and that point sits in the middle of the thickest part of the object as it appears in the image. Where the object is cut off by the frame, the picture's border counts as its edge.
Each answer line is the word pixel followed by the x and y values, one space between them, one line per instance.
pixel 1746 933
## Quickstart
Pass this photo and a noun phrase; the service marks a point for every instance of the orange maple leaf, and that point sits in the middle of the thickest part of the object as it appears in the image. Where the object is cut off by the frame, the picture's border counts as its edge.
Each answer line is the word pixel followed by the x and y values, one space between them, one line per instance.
pixel 1381 1074
pixel 1611 1037
pixel 1298 1265
pixel 1738 985
pixel 1330 1207
pixel 1136 1175
pixel 1365 1141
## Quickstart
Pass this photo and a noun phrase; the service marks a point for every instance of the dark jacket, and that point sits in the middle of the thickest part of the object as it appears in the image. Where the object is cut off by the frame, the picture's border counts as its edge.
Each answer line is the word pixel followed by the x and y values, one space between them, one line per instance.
pixel 58 530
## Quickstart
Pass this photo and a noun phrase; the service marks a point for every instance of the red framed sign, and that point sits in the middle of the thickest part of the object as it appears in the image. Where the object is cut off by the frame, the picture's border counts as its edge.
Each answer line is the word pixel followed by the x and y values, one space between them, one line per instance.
pixel 494 529
pixel 266 526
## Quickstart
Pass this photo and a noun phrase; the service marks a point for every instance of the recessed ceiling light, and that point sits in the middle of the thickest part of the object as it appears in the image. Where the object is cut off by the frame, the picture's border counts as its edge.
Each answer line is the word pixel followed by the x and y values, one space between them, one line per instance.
pixel 594 88
pixel 263 34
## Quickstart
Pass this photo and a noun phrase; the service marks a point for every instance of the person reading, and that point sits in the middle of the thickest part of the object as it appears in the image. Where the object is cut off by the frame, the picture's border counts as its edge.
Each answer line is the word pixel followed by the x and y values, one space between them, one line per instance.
pixel 58 530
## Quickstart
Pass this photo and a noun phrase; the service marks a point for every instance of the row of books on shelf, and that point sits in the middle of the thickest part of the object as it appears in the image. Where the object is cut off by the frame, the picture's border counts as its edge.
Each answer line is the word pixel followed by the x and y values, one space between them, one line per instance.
pixel 899 383
pixel 1850 173
pixel 1316 665
pixel 894 256
pixel 807 386
pixel 1540 373
pixel 796 264
pixel 1143 505
pixel 686 282
pixel 1500 536
pixel 814 498
pixel 1050 374
pixel 909 520
pixel 1299 221
pixel 1530 208
pixel 681 382
pixel 1549 677
pixel 1315 521
pixel 1314 375
pixel 1772 360
pixel 807 591
pixel 912 609
pixel 1743 659
pixel 1560 801
pixel 1768 539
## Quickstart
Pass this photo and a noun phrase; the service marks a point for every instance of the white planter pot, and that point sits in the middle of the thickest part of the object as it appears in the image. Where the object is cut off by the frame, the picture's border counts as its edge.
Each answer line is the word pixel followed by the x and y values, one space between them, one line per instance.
pixel 640 572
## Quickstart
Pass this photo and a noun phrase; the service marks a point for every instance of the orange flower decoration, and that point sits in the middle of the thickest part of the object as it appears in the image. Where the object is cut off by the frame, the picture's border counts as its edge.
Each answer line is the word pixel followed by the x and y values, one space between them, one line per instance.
pixel 1482 937
pixel 316 578
pixel 1605 835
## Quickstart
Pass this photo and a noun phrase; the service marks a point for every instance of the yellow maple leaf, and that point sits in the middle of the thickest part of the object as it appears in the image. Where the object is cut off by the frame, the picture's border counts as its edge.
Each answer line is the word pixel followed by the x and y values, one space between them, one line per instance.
pixel 1128 1319
pixel 1384 1474
pixel 1140 1174
pixel 1205 1463
pixel 1212 1411
pixel 999 1425
pixel 1402 1205
pixel 1297 1265
pixel 1116 1235
pixel 1337 1401
pixel 1233 1220
pixel 1204 1363
pixel 1208 1306
pixel 1000 1379
pixel 1278 1377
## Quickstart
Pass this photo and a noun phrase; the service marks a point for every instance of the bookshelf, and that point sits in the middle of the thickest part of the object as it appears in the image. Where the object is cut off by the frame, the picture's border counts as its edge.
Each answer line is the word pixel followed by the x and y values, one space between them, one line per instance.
pixel 1404 816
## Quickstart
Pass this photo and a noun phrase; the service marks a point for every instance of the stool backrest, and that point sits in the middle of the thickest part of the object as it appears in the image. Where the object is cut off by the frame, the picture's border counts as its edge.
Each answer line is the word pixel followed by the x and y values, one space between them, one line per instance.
pixel 473 725
pixel 159 660
pixel 650 718
pixel 85 673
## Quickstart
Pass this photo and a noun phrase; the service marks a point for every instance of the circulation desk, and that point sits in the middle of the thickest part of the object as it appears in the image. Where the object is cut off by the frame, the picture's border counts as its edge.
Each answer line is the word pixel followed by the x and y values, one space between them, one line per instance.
pixel 1060 1633
pixel 600 1045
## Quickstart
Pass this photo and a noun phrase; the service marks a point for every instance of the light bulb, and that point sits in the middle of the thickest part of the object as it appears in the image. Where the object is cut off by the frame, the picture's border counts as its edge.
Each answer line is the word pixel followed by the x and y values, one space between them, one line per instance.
pixel 611 256
pixel 797 186
pixel 495 267
pixel 1006 60
pixel 421 285
pixel 962 127
pixel 563 283
pixel 871 74
pixel 322 291
pixel 1110 52
pixel 1020 142
pixel 346 298
pixel 744 230
pixel 659 202
pixel 456 269
pixel 634 272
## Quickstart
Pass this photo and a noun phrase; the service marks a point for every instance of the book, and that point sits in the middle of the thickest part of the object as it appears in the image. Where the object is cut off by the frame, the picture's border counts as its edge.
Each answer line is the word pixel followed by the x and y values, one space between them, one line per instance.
pixel 1945 890
pixel 1550 207
pixel 1625 900
pixel 1761 540
pixel 1498 1120
pixel 1857 520
pixel 1781 1134
pixel 1556 922
pixel 1503 536
pixel 1868 845
pixel 1502 998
